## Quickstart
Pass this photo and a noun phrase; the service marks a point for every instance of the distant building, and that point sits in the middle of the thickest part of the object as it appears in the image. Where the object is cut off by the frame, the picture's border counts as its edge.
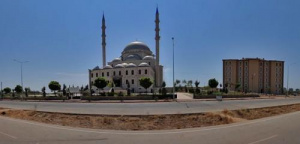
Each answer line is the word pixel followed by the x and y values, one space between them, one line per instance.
pixel 254 75
pixel 136 61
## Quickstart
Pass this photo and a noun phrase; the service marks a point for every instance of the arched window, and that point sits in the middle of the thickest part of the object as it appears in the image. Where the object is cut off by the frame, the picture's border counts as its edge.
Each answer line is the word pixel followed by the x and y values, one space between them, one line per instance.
pixel 146 71
pixel 132 72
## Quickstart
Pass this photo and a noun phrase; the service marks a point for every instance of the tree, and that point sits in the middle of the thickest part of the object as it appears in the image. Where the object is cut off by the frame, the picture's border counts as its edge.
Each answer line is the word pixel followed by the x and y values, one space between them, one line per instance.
pixel 18 89
pixel 7 90
pixel 164 90
pixel 213 83
pixel 197 83
pixel 44 91
pixel 237 86
pixel 197 88
pixel 86 88
pixel 26 91
pixel 54 86
pixel 64 90
pixel 100 83
pixel 185 87
pixel 145 82
pixel 177 82
pixel 190 83
pixel 298 91
pixel 291 90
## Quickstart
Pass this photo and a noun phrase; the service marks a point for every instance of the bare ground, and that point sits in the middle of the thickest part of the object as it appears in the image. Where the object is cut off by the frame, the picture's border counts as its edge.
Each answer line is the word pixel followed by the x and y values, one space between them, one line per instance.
pixel 148 122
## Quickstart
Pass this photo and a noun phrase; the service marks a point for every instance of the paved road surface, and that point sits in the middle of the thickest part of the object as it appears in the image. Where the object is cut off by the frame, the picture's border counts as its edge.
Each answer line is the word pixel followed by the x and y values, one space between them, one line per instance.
pixel 146 108
pixel 284 129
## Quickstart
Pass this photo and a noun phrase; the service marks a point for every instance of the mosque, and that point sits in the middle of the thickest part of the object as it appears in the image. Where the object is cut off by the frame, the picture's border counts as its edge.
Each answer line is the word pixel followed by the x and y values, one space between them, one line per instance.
pixel 136 61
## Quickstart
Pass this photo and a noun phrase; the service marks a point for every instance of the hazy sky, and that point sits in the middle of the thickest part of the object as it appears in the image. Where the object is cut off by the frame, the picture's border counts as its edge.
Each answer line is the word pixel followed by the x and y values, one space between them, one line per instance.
pixel 62 38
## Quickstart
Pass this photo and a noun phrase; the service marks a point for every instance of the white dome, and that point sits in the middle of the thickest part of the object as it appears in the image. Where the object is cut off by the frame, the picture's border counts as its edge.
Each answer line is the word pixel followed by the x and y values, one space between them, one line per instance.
pixel 96 68
pixel 125 64
pixel 117 60
pixel 131 65
pixel 119 66
pixel 108 67
pixel 136 46
pixel 143 64
pixel 148 58
pixel 133 57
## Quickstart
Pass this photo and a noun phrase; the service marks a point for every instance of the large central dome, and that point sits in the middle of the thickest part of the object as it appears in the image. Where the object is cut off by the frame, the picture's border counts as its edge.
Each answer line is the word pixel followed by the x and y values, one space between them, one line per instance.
pixel 139 46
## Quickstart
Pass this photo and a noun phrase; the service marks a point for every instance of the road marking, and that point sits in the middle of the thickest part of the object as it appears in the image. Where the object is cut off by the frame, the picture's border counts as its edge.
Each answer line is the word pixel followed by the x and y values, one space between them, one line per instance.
pixel 263 139
pixel 116 132
pixel 13 137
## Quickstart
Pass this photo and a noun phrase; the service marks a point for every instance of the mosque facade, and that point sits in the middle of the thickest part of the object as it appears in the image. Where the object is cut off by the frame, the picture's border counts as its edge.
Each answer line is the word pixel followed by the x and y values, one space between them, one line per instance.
pixel 136 61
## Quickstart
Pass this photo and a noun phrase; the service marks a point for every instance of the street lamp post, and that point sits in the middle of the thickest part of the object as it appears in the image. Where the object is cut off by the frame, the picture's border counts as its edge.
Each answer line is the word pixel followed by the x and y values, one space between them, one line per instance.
pixel 173 71
pixel 1 92
pixel 21 63
pixel 287 83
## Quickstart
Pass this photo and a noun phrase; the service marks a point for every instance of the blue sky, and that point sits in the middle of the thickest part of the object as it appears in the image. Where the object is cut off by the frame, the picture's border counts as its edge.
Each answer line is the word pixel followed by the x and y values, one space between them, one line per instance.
pixel 62 38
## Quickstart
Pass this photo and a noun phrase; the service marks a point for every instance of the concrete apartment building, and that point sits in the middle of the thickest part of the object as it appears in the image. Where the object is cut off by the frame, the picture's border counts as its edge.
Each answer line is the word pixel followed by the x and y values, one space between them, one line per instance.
pixel 254 75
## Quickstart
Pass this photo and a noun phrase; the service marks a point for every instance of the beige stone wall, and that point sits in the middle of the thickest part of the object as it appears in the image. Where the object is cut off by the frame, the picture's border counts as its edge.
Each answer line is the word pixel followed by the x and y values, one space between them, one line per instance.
pixel 108 74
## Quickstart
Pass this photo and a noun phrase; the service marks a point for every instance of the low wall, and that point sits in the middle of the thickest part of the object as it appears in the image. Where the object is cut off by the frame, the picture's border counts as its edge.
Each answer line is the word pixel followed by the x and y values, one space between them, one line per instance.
pixel 139 97
pixel 37 98
pixel 224 96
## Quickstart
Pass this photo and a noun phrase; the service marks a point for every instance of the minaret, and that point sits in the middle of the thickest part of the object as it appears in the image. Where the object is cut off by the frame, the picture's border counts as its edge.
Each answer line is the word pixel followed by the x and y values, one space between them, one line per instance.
pixel 157 37
pixel 103 42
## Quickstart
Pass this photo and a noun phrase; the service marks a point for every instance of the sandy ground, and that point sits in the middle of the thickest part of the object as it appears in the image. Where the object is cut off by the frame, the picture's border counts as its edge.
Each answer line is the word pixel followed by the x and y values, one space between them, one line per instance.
pixel 148 122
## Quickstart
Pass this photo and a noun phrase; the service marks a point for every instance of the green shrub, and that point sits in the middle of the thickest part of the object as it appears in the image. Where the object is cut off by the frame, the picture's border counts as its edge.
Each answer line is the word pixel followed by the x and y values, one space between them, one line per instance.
pixel 120 94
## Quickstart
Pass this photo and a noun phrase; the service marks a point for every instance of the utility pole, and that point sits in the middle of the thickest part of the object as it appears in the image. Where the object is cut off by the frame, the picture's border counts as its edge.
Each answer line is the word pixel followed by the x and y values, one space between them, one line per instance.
pixel 21 62
pixel 288 75
pixel 173 71
pixel 1 92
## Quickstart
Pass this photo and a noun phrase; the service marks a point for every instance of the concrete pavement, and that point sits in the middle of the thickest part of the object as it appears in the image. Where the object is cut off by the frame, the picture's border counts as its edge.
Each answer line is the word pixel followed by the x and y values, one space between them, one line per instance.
pixel 146 108
pixel 282 129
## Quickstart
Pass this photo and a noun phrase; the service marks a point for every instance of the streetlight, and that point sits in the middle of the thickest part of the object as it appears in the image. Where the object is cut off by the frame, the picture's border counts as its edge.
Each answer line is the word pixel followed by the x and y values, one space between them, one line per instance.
pixel 21 62
pixel 1 92
pixel 288 75
pixel 173 72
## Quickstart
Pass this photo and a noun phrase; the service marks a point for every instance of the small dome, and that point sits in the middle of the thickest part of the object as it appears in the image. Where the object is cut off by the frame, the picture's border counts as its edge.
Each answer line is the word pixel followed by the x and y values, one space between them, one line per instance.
pixel 96 68
pixel 148 58
pixel 108 67
pixel 119 66
pixel 125 64
pixel 133 57
pixel 136 46
pixel 131 65
pixel 117 60
pixel 143 64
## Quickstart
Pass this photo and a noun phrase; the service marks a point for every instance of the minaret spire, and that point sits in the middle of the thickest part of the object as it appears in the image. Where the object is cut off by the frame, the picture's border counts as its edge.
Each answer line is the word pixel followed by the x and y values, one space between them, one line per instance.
pixel 103 41
pixel 157 37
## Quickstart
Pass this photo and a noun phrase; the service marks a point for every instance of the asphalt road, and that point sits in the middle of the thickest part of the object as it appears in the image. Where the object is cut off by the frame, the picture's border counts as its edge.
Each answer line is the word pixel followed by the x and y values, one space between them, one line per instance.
pixel 146 108
pixel 284 129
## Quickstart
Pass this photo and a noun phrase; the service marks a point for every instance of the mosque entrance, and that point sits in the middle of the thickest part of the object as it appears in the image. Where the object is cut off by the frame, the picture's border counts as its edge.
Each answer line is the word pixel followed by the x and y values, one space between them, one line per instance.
pixel 117 81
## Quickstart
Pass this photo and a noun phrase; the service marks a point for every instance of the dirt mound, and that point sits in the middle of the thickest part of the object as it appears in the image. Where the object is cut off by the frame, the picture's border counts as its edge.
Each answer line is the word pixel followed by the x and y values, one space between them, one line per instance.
pixel 148 122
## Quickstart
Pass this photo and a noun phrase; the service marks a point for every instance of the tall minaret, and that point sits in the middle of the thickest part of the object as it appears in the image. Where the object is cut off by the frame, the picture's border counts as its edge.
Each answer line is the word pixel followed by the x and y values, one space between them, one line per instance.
pixel 157 37
pixel 103 42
